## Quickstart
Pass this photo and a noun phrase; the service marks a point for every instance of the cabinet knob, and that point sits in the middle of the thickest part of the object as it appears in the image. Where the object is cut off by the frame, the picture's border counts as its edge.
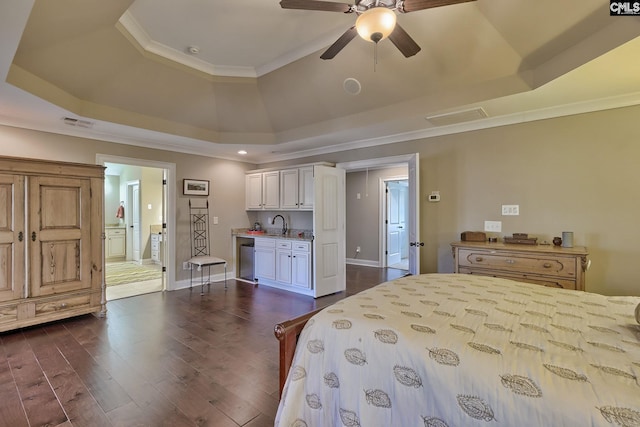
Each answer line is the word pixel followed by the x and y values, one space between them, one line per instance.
pixel 479 259
pixel 547 265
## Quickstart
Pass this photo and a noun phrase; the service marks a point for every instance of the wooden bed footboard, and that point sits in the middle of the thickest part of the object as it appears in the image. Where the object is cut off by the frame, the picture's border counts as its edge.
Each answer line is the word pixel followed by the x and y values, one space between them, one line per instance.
pixel 287 333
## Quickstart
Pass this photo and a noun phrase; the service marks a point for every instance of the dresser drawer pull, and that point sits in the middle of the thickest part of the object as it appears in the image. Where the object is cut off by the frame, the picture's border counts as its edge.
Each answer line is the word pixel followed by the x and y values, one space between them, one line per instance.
pixel 547 265
pixel 479 259
pixel 510 261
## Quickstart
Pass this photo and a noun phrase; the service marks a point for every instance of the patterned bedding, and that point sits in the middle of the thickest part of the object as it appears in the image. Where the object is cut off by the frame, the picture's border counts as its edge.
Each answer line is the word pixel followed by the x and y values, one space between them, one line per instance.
pixel 451 350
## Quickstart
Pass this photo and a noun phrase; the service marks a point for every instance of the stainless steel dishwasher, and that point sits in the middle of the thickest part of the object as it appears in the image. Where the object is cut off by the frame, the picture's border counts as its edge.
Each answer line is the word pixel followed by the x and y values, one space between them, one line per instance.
pixel 246 261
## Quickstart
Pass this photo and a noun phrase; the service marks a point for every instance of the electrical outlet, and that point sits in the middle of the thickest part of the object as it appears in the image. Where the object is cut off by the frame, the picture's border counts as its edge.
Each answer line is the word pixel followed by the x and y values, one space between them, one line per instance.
pixel 357 249
pixel 186 266
pixel 510 209
pixel 495 226
pixel 215 220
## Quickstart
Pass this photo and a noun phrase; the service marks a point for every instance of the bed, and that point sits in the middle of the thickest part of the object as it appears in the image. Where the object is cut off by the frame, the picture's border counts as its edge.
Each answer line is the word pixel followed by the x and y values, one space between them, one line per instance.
pixel 451 350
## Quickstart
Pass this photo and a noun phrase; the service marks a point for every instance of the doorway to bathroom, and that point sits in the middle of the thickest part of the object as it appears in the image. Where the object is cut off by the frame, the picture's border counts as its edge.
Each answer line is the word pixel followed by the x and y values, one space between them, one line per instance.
pixel 137 226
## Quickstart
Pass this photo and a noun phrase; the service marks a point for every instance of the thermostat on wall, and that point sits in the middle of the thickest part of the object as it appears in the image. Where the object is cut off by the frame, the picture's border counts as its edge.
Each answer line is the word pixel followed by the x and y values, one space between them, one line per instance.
pixel 434 196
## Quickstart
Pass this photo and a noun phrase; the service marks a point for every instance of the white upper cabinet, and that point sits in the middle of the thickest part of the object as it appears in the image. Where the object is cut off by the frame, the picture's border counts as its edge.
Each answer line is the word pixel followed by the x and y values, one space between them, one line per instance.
pixel 296 188
pixel 305 188
pixel 263 190
pixel 289 189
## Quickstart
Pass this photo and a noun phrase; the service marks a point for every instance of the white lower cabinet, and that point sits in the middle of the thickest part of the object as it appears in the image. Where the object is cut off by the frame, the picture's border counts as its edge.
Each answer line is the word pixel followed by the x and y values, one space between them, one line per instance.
pixel 301 265
pixel 264 261
pixel 283 263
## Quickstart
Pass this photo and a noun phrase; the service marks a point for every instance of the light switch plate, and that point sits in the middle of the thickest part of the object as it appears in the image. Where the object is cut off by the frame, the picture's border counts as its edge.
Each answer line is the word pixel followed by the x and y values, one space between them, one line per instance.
pixel 495 226
pixel 510 209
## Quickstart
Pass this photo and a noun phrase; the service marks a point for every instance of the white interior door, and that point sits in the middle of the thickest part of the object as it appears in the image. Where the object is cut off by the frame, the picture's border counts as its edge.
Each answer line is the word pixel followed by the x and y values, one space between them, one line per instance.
pixel 134 223
pixel 394 222
pixel 414 214
pixel 329 215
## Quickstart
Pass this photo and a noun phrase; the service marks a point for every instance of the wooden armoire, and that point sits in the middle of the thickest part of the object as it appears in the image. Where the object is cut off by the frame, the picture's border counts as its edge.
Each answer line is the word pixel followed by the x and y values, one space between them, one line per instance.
pixel 51 241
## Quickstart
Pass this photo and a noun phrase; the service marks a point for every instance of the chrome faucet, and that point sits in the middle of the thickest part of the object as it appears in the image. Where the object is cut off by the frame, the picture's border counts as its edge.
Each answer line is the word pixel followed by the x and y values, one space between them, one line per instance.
pixel 284 223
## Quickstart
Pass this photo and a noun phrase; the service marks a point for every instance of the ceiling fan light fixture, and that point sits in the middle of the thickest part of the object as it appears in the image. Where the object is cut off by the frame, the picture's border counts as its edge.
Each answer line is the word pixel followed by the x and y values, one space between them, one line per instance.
pixel 376 24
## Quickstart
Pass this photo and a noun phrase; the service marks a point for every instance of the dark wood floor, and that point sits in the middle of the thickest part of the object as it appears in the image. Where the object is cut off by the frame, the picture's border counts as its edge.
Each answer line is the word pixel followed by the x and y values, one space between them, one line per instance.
pixel 163 359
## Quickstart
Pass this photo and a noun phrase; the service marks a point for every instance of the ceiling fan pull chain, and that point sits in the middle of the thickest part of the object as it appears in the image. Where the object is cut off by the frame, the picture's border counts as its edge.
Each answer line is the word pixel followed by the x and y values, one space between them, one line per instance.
pixel 375 56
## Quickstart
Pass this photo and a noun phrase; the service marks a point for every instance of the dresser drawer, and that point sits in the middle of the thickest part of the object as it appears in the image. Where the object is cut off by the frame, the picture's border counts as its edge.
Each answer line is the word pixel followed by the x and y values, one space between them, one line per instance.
pixel 552 282
pixel 537 264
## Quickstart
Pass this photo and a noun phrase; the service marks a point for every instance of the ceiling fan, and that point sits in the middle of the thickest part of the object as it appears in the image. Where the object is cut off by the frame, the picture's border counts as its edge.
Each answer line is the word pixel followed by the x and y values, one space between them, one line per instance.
pixel 376 20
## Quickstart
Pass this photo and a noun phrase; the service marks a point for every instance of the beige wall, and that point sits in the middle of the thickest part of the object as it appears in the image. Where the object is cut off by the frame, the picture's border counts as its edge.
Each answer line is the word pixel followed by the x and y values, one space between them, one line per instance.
pixel 226 198
pixel 577 173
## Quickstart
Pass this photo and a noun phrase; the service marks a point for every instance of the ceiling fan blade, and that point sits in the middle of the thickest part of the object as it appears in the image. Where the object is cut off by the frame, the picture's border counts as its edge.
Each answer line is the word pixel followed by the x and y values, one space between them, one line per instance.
pixel 339 44
pixel 403 41
pixel 326 6
pixel 413 5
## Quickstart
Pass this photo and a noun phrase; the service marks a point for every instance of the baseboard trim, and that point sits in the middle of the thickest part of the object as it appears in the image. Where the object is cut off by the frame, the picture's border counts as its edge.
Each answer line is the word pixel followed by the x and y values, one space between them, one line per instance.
pixel 214 279
pixel 363 262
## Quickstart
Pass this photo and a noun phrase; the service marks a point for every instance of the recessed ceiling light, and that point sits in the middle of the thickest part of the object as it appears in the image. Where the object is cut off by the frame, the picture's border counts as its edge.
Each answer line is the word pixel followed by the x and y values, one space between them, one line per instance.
pixel 243 152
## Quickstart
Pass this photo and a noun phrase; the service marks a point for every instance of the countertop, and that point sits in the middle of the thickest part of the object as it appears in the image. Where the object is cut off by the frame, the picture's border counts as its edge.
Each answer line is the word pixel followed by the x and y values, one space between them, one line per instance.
pixel 304 235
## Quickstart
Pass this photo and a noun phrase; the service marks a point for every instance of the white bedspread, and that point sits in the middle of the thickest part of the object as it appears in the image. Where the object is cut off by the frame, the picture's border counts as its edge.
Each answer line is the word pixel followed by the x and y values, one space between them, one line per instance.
pixel 459 350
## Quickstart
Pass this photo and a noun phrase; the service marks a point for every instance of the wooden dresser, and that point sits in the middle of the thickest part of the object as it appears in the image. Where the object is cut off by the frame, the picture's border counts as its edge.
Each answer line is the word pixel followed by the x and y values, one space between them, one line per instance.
pixel 51 241
pixel 540 264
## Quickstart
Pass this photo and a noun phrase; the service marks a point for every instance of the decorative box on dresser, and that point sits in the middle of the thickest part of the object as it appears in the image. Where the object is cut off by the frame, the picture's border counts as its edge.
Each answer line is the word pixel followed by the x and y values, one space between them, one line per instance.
pixel 51 241
pixel 540 264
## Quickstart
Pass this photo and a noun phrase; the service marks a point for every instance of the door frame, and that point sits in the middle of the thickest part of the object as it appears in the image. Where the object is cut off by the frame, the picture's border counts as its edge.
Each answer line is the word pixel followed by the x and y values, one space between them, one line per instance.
pixel 410 160
pixel 169 278
pixel 383 216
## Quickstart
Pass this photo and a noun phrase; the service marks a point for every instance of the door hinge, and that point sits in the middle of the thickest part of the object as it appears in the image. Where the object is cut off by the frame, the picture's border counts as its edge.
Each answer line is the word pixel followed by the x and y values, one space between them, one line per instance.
pixel 164 225
pixel 164 182
pixel 386 252
pixel 164 269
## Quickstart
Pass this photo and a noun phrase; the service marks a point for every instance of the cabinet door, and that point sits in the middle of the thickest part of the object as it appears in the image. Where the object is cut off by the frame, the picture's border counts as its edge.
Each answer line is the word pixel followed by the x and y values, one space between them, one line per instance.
pixel 12 237
pixel 301 269
pixel 253 191
pixel 60 234
pixel 271 190
pixel 289 189
pixel 305 188
pixel 283 269
pixel 116 243
pixel 265 263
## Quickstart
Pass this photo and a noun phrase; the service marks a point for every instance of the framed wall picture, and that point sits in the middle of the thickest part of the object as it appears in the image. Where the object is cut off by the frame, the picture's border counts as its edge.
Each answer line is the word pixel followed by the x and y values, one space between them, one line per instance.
pixel 195 187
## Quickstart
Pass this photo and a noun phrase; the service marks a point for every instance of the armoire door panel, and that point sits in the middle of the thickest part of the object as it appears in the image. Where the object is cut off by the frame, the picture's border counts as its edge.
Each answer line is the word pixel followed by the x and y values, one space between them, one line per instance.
pixel 60 240
pixel 12 236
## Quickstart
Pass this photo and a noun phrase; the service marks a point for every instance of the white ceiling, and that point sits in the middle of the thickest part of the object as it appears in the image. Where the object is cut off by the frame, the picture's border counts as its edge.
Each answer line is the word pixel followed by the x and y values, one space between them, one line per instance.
pixel 258 83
